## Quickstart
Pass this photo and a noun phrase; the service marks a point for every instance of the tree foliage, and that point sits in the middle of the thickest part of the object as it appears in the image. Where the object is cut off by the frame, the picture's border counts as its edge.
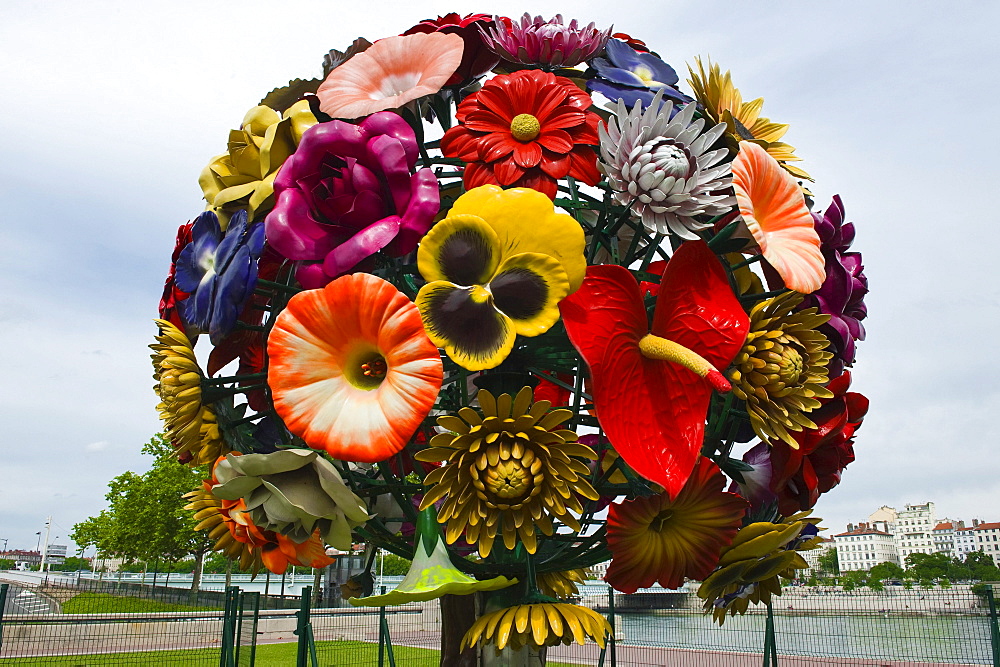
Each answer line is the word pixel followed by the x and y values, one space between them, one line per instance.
pixel 145 519
pixel 829 562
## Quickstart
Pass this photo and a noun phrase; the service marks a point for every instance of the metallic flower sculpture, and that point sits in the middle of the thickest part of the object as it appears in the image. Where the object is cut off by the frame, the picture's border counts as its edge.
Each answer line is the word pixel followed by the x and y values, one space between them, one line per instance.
pixel 294 492
pixel 485 315
pixel 507 472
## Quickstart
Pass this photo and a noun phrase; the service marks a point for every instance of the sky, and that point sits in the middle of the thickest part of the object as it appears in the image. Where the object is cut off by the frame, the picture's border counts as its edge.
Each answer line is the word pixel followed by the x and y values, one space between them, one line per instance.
pixel 111 109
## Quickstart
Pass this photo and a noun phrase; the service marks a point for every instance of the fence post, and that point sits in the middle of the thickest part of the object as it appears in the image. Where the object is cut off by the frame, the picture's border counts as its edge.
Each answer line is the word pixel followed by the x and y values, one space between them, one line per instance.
pixel 770 649
pixel 994 627
pixel 3 603
pixel 611 639
pixel 227 654
pixel 303 629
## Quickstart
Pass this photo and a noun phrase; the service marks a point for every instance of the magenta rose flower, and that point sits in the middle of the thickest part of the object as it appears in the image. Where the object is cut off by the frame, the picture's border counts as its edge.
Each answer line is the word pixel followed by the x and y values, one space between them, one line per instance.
pixel 348 192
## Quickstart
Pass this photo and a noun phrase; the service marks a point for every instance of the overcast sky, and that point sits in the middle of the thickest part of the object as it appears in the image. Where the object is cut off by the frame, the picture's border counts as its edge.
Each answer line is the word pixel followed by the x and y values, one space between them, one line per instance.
pixel 111 110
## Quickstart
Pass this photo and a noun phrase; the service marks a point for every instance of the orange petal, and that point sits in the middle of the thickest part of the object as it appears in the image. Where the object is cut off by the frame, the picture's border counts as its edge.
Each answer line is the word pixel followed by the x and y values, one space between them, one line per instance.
pixel 775 212
pixel 317 347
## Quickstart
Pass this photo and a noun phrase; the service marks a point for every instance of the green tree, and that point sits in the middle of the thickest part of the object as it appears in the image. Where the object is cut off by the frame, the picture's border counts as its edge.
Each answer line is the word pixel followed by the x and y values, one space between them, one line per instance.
pixel 929 566
pixel 885 571
pixel 981 566
pixel 854 579
pixel 71 564
pixel 145 519
pixel 828 561
pixel 394 565
pixel 7 564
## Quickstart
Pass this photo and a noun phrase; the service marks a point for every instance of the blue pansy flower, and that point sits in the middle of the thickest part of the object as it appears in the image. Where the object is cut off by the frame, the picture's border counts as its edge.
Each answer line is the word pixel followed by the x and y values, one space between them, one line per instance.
pixel 219 269
pixel 630 75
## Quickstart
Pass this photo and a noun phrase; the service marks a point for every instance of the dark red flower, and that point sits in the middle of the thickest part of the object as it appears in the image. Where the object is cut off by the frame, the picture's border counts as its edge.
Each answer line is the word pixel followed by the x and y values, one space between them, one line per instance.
pixel 799 476
pixel 525 129
pixel 172 295
pixel 476 58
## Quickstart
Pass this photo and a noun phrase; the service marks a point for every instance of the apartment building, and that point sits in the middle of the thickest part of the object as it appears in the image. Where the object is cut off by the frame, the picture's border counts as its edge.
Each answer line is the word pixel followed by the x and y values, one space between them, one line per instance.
pixel 988 540
pixel 915 530
pixel 863 547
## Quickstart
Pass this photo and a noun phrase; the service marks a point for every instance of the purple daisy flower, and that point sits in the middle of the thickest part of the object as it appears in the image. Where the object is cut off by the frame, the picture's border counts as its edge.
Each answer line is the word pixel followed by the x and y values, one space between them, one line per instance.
pixel 843 291
pixel 219 269
pixel 630 75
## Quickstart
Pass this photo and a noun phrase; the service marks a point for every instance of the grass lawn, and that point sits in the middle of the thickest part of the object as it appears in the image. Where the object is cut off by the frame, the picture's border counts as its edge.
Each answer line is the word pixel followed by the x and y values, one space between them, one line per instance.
pixel 331 654
pixel 102 603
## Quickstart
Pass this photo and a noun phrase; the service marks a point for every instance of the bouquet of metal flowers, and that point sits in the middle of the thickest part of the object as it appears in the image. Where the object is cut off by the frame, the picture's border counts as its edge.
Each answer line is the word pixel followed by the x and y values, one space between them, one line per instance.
pixel 507 298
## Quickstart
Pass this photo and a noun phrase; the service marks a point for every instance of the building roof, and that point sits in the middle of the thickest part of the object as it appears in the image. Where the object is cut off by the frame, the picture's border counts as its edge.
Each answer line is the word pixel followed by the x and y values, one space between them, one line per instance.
pixel 947 525
pixel 988 526
pixel 863 531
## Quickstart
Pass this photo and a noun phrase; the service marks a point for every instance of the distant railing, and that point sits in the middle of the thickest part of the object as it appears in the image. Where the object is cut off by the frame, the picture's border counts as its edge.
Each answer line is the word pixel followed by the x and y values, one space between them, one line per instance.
pixel 806 626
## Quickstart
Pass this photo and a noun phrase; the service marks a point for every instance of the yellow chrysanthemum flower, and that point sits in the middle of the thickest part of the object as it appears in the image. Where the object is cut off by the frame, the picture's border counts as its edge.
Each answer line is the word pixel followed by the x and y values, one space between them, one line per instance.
pixel 507 472
pixel 781 372
pixel 537 625
pixel 750 567
pixel 191 426
pixel 724 104
pixel 562 585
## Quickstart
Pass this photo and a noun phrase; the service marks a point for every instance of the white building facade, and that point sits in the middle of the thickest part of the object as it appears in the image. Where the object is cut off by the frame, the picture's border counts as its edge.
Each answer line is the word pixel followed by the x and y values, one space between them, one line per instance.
pixel 863 547
pixel 944 537
pixel 988 540
pixel 965 539
pixel 915 530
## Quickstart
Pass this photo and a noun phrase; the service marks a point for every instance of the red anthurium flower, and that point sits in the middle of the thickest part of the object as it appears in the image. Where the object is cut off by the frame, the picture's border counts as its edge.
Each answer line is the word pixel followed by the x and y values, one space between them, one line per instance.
pixel 651 391
pixel 525 129
pixel 799 476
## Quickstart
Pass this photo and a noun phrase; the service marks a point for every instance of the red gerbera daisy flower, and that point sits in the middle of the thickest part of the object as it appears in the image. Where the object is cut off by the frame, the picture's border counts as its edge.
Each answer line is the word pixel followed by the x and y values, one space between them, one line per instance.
pixel 525 129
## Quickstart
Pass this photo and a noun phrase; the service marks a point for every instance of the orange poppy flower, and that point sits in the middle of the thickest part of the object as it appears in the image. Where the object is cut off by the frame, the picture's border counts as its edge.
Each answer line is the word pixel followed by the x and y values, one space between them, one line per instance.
pixel 351 370
pixel 390 73
pixel 775 212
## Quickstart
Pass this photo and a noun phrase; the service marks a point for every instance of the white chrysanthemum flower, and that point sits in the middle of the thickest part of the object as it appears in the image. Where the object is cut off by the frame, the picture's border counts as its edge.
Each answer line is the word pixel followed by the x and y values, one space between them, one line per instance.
pixel 658 166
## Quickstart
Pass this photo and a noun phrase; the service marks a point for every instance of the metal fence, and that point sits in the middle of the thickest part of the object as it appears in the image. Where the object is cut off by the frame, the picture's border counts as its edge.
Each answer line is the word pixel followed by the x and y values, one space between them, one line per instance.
pixel 807 626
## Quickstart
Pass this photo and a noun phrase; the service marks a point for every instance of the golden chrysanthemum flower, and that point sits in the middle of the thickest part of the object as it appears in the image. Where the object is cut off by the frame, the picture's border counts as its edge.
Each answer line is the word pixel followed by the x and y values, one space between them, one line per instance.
pixel 749 568
pixel 724 104
pixel 191 426
pixel 537 625
pixel 562 585
pixel 781 372
pixel 507 472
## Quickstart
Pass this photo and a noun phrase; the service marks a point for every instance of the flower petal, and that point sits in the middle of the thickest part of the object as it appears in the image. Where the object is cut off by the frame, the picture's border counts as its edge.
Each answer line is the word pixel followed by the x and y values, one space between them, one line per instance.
pixel 472 332
pixel 317 345
pixel 528 288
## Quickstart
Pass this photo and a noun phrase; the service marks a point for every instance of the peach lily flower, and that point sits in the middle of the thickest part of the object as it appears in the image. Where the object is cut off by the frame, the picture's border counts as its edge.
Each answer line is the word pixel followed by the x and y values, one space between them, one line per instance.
pixel 775 212
pixel 390 73
pixel 351 370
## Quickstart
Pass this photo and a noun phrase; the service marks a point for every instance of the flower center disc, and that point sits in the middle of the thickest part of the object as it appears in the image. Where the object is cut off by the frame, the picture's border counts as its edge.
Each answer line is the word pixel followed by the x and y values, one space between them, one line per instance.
pixel 525 127
pixel 367 372
pixel 508 480
pixel 791 366
pixel 661 520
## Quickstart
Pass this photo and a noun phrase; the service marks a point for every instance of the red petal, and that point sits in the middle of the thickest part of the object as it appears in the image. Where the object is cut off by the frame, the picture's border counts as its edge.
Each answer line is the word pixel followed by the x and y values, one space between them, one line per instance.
pixel 555 140
pixel 527 154
pixel 477 174
pixel 555 165
pixel 537 180
pixel 483 120
pixel 584 165
pixel 697 308
pixel 494 146
pixel 653 412
pixel 507 172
